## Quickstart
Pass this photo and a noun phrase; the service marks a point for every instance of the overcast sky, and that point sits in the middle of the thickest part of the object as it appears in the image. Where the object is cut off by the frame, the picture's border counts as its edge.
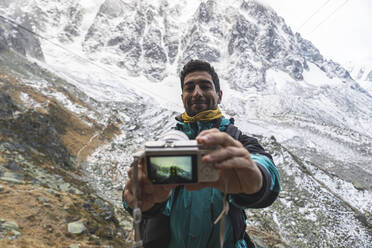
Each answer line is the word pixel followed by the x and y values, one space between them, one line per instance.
pixel 340 29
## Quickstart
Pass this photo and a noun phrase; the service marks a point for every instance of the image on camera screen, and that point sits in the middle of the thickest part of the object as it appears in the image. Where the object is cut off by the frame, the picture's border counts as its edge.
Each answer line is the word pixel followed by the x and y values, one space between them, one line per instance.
pixel 171 169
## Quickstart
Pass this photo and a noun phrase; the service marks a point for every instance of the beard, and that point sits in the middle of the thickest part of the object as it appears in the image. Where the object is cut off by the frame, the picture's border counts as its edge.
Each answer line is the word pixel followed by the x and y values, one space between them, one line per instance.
pixel 195 105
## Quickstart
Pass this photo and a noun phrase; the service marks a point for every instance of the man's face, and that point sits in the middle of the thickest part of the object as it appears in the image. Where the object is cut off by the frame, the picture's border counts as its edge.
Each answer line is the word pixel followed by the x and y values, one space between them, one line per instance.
pixel 199 93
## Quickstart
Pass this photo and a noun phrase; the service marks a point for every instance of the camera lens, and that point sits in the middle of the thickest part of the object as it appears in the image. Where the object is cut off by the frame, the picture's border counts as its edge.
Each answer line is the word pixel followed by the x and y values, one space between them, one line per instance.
pixel 173 135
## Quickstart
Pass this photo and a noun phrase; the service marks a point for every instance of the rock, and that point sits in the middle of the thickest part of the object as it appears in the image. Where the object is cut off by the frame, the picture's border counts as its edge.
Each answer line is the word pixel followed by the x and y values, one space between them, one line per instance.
pixel 75 191
pixel 10 180
pixel 118 187
pixel 358 186
pixel 74 246
pixel 12 177
pixel 51 191
pixel 107 232
pixel 64 187
pixel 16 233
pixel 258 242
pixel 107 212
pixel 126 224
pixel 76 227
pixel 279 246
pixel 12 166
pixel 300 203
pixel 10 225
pixel 42 199
pixel 1 188
pixel 93 237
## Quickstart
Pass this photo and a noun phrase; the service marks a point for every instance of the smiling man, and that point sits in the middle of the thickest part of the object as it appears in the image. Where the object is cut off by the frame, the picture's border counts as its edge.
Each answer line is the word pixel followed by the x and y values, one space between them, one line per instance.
pixel 199 93
pixel 249 172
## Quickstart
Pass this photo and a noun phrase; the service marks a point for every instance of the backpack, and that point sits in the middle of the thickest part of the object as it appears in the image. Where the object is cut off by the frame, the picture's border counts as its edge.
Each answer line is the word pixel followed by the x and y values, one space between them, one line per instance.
pixel 156 233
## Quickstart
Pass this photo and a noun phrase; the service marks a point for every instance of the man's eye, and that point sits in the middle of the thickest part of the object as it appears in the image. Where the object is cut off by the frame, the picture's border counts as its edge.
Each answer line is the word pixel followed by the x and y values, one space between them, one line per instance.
pixel 189 88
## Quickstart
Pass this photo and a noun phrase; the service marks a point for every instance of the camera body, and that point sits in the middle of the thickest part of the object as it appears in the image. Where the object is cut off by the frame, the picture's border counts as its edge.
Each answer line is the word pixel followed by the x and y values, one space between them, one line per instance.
pixel 174 159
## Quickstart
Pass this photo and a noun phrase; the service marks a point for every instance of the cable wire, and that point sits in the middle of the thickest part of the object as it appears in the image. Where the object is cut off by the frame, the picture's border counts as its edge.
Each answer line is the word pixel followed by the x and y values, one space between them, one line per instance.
pixel 312 15
pixel 338 8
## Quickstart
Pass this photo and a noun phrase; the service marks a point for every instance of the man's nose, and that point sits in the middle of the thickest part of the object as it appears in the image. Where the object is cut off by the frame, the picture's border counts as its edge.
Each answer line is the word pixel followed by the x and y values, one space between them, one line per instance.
pixel 197 91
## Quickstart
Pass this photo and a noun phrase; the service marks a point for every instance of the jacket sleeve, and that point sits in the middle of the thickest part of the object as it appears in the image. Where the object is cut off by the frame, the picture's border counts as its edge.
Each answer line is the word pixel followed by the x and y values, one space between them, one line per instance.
pixel 270 175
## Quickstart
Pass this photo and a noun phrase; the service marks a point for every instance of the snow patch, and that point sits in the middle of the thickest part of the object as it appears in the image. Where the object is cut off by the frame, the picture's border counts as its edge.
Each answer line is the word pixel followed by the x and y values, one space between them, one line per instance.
pixel 30 102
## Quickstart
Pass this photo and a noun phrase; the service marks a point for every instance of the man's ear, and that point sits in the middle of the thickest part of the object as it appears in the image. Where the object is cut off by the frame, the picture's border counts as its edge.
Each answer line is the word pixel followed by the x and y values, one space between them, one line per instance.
pixel 219 97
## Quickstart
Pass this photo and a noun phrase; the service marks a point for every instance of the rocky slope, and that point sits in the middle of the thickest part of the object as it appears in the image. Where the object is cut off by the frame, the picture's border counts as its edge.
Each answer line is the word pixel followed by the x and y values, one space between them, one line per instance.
pixel 44 201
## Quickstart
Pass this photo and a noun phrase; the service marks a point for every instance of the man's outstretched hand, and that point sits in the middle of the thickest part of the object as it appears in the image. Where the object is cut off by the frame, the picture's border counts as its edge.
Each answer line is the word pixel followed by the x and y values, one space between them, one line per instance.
pixel 233 161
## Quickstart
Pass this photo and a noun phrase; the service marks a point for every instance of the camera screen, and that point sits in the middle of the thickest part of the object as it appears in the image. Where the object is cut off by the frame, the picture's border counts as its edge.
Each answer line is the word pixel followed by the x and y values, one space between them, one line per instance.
pixel 172 169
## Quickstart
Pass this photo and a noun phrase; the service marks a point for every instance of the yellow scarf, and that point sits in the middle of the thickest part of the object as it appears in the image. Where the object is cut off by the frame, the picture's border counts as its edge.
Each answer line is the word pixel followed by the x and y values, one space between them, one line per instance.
pixel 207 115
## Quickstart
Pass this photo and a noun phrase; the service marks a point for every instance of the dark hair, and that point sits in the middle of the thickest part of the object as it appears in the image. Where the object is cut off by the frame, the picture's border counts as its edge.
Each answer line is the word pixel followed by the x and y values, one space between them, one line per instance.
pixel 199 65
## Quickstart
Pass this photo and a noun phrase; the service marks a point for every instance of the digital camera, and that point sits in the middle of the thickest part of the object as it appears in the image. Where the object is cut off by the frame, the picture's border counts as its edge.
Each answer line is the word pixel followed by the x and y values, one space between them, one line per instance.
pixel 174 159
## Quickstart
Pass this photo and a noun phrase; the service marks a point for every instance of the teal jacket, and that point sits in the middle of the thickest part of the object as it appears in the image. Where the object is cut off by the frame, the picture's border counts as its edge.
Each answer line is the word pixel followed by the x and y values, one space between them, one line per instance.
pixel 192 213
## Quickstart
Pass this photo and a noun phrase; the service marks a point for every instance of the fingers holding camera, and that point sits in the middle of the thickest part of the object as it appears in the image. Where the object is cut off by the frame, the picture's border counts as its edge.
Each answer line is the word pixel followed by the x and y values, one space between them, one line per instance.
pixel 147 193
pixel 242 174
pixel 230 152
pixel 238 167
pixel 142 185
pixel 214 137
pixel 219 156
pixel 129 188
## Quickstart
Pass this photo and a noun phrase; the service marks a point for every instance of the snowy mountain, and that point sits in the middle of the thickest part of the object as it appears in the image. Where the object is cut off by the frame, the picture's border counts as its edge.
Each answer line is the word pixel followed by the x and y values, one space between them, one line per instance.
pixel 362 73
pixel 310 112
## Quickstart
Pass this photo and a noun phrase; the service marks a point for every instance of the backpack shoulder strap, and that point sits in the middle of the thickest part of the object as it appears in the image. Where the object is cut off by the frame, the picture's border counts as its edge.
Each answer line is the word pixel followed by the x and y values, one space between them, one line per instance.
pixel 237 215
pixel 232 130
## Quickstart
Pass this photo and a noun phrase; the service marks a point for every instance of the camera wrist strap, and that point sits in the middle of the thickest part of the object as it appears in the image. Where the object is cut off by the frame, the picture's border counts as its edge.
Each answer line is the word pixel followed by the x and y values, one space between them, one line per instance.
pixel 137 214
pixel 224 212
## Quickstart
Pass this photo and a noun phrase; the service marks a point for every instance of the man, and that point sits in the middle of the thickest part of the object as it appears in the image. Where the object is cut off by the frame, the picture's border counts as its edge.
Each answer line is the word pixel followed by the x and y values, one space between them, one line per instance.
pixel 251 176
